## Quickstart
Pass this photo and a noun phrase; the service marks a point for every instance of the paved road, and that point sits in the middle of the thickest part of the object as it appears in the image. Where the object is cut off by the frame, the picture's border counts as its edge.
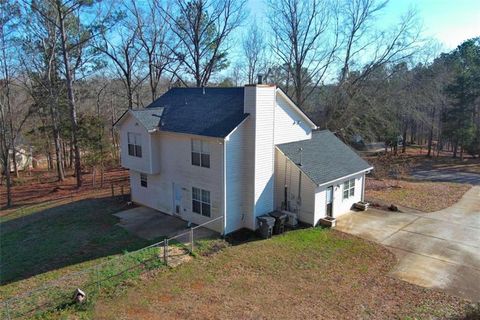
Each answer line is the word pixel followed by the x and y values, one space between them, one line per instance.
pixel 437 250
pixel 446 175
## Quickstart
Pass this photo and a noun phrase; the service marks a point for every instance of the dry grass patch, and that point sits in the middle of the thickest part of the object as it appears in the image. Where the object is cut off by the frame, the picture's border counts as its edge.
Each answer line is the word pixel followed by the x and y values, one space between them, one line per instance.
pixel 419 195
pixel 311 273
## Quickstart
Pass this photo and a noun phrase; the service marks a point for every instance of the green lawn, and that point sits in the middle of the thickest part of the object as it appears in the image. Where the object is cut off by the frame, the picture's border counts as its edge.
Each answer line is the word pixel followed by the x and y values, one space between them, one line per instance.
pixel 54 242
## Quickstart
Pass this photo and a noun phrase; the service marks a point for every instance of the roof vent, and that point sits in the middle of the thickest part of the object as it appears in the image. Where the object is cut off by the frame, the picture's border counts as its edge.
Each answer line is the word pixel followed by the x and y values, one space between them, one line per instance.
pixel 203 90
pixel 260 78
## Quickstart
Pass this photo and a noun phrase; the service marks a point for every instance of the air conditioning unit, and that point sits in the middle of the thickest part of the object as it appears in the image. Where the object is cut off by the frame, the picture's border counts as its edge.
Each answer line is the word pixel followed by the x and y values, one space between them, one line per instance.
pixel 292 219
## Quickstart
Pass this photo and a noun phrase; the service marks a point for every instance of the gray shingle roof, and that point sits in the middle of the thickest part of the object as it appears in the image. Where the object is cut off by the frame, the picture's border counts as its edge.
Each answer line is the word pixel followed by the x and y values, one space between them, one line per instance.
pixel 150 117
pixel 324 157
pixel 213 112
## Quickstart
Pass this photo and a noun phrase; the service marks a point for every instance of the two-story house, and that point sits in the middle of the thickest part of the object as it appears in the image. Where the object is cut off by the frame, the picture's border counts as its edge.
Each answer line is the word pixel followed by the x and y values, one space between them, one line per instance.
pixel 202 153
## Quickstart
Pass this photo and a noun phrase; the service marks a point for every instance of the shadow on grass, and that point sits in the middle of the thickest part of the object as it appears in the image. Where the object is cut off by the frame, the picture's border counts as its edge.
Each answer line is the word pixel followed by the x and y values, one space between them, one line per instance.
pixel 64 235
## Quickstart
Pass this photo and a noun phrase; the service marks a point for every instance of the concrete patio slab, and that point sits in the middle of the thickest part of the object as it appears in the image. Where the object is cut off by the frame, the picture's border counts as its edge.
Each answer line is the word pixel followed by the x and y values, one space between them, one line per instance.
pixel 151 224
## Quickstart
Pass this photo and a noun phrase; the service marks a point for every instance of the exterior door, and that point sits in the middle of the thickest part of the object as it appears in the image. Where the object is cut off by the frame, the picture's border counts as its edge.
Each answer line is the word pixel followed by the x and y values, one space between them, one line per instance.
pixel 330 201
pixel 177 199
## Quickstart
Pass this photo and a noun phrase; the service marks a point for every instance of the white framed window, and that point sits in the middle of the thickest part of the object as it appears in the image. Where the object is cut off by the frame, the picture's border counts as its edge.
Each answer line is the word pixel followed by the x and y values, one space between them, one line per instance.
pixel 200 153
pixel 348 188
pixel 201 202
pixel 134 144
pixel 143 180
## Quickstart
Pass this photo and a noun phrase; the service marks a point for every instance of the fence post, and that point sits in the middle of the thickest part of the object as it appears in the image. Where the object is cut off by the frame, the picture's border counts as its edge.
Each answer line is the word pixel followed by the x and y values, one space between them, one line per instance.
pixel 191 240
pixel 165 251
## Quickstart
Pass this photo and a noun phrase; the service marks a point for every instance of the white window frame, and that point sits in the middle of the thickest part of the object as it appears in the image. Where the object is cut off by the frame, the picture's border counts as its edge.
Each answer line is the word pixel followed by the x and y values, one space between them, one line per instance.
pixel 200 153
pixel 143 180
pixel 204 202
pixel 134 141
pixel 349 189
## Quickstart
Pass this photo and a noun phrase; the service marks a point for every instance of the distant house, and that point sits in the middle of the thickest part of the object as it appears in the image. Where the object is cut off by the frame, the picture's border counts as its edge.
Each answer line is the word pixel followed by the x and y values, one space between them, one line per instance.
pixel 202 153
pixel 23 158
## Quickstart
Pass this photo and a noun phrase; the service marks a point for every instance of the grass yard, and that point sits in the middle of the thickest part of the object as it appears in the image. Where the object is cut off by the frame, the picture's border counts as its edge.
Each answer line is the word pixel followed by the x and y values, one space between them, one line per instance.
pixel 420 195
pixel 309 273
pixel 45 245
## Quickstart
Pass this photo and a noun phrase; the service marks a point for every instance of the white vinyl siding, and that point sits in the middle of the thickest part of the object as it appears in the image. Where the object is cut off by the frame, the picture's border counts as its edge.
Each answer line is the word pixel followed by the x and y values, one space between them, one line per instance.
pixel 300 189
pixel 141 138
pixel 260 104
pixel 173 159
pixel 289 125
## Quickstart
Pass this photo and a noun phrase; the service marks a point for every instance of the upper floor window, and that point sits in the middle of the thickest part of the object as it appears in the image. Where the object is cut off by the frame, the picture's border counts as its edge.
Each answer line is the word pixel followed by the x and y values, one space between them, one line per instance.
pixel 201 201
pixel 348 188
pixel 134 144
pixel 200 153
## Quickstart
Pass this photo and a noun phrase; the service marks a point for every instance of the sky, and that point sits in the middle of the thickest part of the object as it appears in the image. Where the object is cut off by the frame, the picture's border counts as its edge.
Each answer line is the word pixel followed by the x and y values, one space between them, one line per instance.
pixel 449 21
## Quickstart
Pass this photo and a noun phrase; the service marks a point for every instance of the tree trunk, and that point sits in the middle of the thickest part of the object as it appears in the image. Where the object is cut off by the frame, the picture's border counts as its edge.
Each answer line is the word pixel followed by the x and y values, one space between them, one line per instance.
pixel 430 137
pixel 70 94
pixel 14 159
pixel 8 181
pixel 57 143
pixel 455 145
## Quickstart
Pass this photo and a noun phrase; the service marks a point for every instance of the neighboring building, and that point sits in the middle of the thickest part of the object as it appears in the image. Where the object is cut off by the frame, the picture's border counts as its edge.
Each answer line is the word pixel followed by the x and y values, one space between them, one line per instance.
pixel 202 153
pixel 23 157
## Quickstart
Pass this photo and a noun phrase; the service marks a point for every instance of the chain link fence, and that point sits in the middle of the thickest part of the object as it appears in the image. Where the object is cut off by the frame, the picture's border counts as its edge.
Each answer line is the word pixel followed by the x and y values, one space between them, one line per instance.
pixel 59 293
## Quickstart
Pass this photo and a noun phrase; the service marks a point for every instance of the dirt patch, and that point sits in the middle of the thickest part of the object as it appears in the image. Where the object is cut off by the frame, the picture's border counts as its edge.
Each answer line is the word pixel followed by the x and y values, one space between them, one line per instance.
pixel 42 186
pixel 422 196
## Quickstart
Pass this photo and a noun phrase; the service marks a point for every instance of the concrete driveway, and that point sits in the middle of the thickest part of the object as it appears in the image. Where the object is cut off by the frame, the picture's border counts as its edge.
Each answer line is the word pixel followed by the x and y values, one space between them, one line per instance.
pixel 435 250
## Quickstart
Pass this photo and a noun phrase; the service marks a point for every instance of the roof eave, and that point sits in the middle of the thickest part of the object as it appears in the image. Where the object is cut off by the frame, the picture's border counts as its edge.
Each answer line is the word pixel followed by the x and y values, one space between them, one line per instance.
pixel 345 177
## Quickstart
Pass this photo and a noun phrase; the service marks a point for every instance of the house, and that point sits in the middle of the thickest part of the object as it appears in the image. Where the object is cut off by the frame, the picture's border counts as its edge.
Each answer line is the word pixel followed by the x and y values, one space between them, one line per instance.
pixel 237 153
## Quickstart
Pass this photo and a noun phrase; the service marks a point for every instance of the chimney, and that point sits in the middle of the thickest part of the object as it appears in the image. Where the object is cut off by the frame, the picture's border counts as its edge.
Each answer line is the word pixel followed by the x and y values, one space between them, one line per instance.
pixel 260 78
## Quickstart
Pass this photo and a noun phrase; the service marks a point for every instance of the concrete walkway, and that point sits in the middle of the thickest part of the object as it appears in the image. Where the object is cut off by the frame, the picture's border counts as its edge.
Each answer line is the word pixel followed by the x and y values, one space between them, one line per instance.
pixel 435 250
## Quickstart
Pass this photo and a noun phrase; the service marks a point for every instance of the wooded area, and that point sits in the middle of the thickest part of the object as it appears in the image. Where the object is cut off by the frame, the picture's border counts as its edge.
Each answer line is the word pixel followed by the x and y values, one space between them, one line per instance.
pixel 70 68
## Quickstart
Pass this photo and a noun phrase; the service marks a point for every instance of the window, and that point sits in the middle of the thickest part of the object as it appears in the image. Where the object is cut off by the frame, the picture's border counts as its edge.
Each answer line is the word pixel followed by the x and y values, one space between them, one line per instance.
pixel 200 153
pixel 143 180
pixel 348 188
pixel 134 144
pixel 201 201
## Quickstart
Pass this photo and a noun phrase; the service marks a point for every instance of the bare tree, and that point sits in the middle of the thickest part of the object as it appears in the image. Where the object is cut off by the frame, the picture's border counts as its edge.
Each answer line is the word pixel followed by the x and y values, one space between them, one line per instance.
pixel 254 50
pixel 40 61
pixel 124 51
pixel 155 38
pixel 305 41
pixel 13 113
pixel 202 28
pixel 366 53
pixel 358 16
